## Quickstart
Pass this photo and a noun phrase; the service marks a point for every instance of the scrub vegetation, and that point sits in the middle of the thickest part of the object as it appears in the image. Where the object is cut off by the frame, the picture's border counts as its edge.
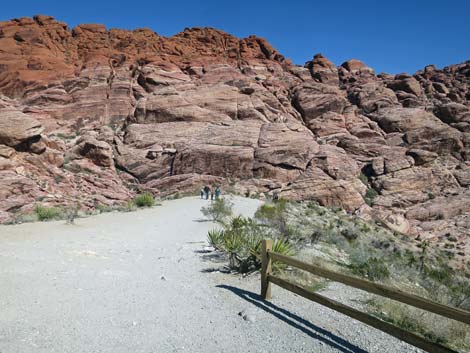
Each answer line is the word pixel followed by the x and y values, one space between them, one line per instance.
pixel 345 243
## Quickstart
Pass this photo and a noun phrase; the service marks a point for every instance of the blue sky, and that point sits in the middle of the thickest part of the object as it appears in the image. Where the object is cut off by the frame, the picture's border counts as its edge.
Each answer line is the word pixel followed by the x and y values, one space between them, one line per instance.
pixel 390 36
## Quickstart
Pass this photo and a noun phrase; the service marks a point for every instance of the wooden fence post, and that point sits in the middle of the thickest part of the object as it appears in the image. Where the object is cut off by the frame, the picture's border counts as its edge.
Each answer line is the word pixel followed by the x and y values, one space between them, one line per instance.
pixel 266 268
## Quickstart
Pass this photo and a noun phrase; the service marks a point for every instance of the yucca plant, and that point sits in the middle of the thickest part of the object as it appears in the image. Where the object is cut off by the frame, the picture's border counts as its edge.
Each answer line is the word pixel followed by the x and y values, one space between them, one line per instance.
pixel 233 244
pixel 283 247
pixel 239 222
pixel 254 247
pixel 215 238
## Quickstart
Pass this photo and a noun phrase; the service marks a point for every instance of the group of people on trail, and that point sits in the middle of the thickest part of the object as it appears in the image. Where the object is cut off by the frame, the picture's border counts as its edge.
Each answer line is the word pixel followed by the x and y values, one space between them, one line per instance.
pixel 206 191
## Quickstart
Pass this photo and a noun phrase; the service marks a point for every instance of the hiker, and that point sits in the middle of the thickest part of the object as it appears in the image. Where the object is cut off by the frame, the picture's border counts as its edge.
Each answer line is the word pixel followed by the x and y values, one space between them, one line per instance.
pixel 212 196
pixel 207 190
pixel 202 193
pixel 217 192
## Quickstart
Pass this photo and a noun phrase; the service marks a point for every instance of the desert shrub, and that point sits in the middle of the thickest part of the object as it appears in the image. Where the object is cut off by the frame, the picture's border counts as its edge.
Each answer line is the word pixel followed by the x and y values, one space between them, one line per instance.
pixel 368 262
pixel 129 206
pixel 442 284
pixel 71 213
pixel 102 208
pixel 218 210
pixel 371 194
pixel 313 205
pixel 47 213
pixel 365 228
pixel 274 216
pixel 144 200
pixel 176 196
pixel 364 179
pixel 241 239
pixel 373 269
pixel 349 233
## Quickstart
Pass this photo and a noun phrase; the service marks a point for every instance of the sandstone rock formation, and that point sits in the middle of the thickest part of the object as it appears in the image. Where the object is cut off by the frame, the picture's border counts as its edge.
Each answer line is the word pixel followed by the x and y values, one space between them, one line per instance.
pixel 90 115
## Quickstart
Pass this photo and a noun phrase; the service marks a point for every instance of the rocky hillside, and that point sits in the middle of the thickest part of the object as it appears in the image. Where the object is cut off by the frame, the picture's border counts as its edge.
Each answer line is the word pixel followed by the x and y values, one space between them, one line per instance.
pixel 90 116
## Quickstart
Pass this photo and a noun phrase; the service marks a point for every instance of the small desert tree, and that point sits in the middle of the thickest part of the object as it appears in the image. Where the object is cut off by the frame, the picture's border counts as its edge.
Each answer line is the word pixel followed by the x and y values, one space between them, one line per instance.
pixel 274 216
pixel 219 210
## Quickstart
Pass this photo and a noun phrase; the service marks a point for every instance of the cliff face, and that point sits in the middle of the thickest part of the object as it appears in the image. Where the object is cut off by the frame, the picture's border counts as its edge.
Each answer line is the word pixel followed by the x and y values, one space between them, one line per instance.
pixel 90 115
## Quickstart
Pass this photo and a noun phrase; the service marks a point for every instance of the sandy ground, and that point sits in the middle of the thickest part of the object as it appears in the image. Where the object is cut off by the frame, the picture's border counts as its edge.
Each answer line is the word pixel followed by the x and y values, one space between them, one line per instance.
pixel 139 282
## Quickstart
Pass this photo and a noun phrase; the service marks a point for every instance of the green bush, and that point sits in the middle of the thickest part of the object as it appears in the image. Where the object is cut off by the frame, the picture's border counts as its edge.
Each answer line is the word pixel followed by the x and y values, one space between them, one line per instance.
pixel 144 200
pixel 218 210
pixel 274 216
pixel 364 179
pixel 371 194
pixel 47 213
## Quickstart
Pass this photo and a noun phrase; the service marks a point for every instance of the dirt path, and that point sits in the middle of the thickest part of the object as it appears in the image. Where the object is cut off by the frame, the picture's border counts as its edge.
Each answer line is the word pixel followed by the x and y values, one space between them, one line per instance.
pixel 136 283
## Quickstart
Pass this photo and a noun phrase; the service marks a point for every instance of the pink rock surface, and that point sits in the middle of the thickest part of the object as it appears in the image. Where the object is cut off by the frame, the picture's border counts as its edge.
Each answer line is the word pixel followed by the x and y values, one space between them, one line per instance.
pixel 91 115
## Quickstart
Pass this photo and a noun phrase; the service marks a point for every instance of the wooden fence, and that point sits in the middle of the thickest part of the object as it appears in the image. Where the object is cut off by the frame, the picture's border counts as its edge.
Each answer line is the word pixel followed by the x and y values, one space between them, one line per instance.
pixel 268 256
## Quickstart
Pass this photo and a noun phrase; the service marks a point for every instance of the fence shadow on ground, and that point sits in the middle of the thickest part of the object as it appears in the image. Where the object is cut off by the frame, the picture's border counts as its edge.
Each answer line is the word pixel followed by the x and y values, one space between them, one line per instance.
pixel 296 321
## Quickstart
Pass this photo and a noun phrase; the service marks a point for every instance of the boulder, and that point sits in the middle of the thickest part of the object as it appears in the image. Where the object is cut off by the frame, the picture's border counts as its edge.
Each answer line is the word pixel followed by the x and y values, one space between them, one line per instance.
pixel 99 152
pixel 441 208
pixel 406 83
pixel 422 157
pixel 17 128
pixel 315 184
pixel 6 152
pixel 283 151
pixel 355 66
pixel 323 70
pixel 315 99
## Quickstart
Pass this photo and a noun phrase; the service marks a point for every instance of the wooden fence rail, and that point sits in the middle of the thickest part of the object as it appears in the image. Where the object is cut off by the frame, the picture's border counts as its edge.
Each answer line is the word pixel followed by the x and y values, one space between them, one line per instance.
pixel 268 256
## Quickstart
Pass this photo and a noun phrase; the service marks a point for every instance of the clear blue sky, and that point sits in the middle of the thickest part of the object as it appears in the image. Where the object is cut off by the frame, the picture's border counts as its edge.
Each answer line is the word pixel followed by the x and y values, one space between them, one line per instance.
pixel 390 36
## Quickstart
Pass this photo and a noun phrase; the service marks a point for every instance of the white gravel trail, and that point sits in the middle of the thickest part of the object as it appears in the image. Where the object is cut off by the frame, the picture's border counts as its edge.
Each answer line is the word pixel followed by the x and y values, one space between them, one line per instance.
pixel 136 283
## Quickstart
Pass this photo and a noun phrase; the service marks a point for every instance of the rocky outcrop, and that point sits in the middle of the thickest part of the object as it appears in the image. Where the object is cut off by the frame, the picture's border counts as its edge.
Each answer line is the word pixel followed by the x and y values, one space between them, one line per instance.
pixel 17 128
pixel 91 116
